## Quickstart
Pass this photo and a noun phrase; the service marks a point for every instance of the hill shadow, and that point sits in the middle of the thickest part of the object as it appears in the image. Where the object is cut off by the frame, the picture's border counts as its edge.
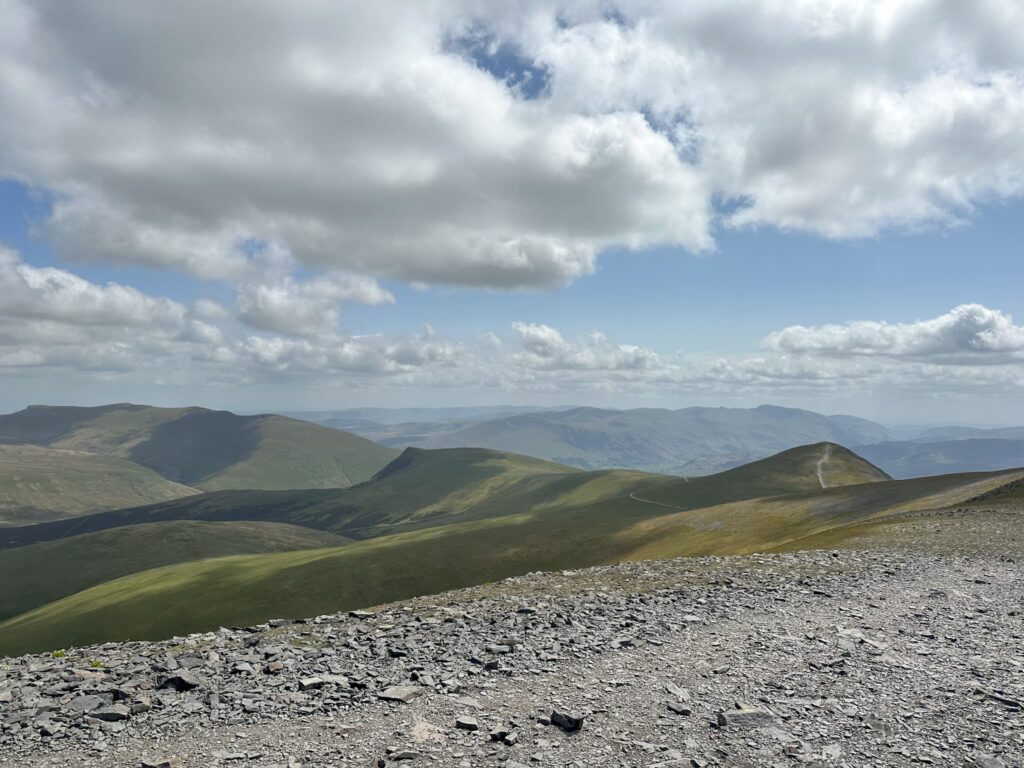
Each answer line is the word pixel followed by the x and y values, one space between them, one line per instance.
pixel 199 444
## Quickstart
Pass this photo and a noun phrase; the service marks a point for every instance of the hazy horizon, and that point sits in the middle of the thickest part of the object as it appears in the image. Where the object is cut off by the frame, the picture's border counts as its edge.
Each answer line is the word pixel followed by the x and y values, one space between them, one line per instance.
pixel 299 412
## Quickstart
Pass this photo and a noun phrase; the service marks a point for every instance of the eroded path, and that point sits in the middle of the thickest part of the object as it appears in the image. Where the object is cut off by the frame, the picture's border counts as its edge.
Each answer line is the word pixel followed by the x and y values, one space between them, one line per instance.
pixel 826 456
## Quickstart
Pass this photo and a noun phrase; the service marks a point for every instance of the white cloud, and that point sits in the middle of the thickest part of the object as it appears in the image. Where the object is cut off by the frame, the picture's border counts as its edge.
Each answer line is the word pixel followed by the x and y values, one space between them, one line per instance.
pixel 366 140
pixel 305 308
pixel 544 347
pixel 969 334
pixel 63 327
pixel 55 295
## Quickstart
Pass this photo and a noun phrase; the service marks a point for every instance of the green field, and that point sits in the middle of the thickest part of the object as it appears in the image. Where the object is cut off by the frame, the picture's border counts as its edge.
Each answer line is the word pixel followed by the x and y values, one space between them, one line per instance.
pixel 448 519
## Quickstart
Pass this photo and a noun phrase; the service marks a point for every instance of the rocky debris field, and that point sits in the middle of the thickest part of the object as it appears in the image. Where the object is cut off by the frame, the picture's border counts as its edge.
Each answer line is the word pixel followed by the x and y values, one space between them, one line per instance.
pixel 848 658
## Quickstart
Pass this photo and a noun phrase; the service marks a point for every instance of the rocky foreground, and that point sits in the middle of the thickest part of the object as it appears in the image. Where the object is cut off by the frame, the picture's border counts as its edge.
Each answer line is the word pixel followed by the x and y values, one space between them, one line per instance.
pixel 821 658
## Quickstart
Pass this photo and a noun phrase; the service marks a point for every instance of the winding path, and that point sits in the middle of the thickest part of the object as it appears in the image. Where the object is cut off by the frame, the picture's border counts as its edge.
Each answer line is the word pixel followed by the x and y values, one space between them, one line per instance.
pixel 634 497
pixel 825 457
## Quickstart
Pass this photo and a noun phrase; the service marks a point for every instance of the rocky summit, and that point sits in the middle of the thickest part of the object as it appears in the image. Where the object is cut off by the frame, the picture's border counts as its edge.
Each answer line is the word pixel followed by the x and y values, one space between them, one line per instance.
pixel 845 658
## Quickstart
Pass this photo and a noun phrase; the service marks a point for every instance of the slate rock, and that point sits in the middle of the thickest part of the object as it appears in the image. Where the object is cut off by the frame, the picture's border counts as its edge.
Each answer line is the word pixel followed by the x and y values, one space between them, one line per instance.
pixel 744 718
pixel 160 762
pixel 403 693
pixel 112 714
pixel 568 723
pixel 180 681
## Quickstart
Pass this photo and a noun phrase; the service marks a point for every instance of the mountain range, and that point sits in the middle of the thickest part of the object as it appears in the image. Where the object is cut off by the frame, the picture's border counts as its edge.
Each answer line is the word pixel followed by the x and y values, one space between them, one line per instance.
pixel 690 441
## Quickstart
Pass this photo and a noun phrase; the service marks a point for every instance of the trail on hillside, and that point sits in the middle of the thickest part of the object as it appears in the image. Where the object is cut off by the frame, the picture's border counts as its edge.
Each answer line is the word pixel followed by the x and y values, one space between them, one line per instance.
pixel 634 497
pixel 821 463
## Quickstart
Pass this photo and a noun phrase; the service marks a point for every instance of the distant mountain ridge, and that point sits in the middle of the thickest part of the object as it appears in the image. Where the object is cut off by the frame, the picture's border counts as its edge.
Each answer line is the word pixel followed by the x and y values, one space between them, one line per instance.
pixel 690 441
pixel 936 457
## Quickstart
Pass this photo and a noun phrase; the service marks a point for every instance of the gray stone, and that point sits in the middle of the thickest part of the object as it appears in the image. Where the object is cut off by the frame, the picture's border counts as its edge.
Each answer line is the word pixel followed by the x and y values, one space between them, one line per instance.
pixel 568 723
pixel 89 703
pixel 745 718
pixel 403 693
pixel 180 681
pixel 160 762
pixel 112 714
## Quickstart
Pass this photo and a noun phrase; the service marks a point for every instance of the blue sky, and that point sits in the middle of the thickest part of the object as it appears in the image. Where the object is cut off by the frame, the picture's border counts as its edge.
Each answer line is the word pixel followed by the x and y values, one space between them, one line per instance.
pixel 601 204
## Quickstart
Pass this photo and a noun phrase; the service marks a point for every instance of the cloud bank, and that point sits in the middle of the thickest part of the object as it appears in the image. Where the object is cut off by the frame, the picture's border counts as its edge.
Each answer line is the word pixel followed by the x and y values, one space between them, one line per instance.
pixel 498 145
pixel 55 324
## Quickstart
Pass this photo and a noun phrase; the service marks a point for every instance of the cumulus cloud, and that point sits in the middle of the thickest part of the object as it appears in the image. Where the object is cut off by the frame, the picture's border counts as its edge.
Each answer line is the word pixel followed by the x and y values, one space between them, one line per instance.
pixel 384 140
pixel 52 320
pixel 545 347
pixel 968 334
pixel 55 295
pixel 305 308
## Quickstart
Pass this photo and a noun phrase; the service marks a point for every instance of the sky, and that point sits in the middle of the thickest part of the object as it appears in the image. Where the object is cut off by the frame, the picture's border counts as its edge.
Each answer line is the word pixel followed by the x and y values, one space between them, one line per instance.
pixel 266 206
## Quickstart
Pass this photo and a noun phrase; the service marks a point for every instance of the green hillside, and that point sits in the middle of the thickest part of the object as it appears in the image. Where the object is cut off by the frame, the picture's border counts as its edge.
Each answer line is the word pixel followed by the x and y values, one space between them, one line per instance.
pixel 211 450
pixel 48 571
pixel 38 484
pixel 501 515
pixel 807 468
pixel 242 590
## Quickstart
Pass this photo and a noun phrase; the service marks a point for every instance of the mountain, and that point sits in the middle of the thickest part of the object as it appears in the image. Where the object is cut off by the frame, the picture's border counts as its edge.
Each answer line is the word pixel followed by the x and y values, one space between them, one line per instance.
pixel 691 441
pixel 435 520
pixel 38 484
pixel 210 450
pixel 916 459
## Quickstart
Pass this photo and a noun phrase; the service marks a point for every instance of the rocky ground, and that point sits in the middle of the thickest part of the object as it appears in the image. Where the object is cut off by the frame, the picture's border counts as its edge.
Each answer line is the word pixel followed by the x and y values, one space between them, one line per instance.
pixel 894 656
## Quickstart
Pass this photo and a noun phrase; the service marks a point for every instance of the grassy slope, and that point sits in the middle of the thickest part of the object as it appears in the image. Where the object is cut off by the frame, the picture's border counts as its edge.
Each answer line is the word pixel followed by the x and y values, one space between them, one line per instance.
pixel 605 525
pixel 787 472
pixel 51 570
pixel 38 484
pixel 212 450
